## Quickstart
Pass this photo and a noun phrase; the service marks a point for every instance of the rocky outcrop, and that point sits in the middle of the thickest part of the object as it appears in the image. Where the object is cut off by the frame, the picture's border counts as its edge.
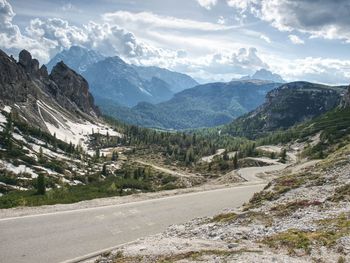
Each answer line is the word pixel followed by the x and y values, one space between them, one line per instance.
pixel 74 87
pixel 345 103
pixel 13 80
pixel 30 65
pixel 24 86
pixel 285 106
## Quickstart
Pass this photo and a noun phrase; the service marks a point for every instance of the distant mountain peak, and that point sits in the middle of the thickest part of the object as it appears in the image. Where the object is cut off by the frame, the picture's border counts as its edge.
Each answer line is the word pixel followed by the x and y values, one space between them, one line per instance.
pixel 125 84
pixel 76 57
pixel 264 74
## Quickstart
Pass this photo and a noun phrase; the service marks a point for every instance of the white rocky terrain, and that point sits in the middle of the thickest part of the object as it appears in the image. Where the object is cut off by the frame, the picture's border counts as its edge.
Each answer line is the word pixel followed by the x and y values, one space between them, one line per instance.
pixel 302 215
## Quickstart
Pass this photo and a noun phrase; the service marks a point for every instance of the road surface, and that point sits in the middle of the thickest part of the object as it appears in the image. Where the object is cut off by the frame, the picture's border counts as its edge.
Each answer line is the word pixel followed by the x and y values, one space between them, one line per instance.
pixel 65 235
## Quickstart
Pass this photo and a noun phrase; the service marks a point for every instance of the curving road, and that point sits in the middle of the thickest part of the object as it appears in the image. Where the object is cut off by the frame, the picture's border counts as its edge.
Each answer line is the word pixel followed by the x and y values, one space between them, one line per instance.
pixel 63 236
pixel 67 235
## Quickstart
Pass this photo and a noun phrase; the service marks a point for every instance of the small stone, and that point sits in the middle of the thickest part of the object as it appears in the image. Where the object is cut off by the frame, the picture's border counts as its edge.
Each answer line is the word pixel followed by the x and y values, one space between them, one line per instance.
pixel 232 245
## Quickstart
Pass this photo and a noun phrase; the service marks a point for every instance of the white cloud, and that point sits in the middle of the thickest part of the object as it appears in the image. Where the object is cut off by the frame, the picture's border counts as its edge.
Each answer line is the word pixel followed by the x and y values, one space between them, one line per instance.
pixel 11 38
pixel 239 4
pixel 221 20
pixel 149 20
pixel 265 38
pixel 56 30
pixel 207 4
pixel 313 69
pixel 296 40
pixel 222 66
pixel 204 50
pixel 318 18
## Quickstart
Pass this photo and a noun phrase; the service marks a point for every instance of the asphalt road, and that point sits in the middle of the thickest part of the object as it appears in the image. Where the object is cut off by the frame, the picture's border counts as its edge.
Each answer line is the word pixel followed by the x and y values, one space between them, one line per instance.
pixel 62 236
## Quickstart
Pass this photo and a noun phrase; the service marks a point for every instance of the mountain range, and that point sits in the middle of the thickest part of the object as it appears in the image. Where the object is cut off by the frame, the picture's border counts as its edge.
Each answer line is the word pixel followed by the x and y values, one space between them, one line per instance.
pixel 202 106
pixel 122 83
pixel 157 97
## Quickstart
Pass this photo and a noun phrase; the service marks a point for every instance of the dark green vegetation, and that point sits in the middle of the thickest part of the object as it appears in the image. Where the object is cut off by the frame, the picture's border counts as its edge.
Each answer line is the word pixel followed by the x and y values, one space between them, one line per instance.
pixel 202 106
pixel 333 128
pixel 41 187
pixel 132 178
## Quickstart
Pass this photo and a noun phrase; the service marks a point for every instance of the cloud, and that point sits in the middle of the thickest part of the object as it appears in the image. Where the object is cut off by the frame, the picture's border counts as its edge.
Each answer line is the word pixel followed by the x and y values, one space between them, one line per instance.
pixel 149 20
pixel 221 20
pixel 296 40
pixel 223 66
pixel 207 4
pixel 313 69
pixel 318 18
pixel 11 38
pixel 204 50
pixel 265 38
pixel 56 30
pixel 239 4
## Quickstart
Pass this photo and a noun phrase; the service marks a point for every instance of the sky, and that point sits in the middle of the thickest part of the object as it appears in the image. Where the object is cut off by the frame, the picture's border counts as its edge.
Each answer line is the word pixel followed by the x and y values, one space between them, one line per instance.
pixel 211 40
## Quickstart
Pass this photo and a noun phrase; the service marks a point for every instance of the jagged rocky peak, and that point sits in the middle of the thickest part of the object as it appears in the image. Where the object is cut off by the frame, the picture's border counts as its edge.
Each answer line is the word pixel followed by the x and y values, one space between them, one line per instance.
pixel 9 71
pixel 74 87
pixel 31 65
pixel 43 72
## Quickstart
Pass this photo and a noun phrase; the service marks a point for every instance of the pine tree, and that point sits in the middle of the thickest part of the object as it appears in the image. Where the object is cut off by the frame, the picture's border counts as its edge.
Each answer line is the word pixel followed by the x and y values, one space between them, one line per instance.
pixel 189 158
pixel 97 153
pixel 40 185
pixel 194 139
pixel 104 170
pixel 225 156
pixel 7 133
pixel 235 161
pixel 114 156
pixel 41 155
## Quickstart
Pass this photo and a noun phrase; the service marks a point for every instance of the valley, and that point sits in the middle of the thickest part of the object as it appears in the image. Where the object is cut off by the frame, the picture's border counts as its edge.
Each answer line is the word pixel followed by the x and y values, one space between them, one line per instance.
pixel 179 143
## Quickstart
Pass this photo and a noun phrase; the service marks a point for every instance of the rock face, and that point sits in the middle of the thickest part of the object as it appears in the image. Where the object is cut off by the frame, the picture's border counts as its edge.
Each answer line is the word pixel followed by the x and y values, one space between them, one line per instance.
pixel 74 87
pixel 13 80
pixel 346 99
pixel 285 106
pixel 30 65
pixel 26 88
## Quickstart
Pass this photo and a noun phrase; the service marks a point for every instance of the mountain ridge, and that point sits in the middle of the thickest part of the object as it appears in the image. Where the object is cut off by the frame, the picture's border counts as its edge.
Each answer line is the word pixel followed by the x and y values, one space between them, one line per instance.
pixel 201 106
pixel 59 103
pixel 286 106
pixel 128 84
